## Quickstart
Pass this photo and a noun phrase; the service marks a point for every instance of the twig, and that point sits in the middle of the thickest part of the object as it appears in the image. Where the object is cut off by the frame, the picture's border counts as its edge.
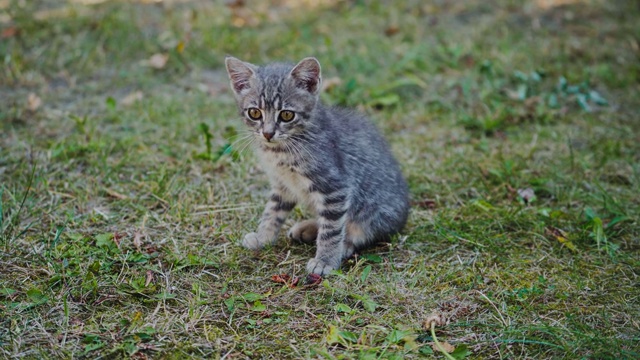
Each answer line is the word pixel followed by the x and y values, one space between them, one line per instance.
pixel 438 345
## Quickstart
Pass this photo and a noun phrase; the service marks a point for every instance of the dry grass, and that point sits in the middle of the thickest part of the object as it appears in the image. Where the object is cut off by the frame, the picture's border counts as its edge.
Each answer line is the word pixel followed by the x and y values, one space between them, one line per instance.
pixel 121 212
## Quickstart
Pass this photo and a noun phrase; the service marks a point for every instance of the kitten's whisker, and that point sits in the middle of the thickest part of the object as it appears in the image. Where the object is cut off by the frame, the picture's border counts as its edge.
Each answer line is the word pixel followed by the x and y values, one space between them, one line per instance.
pixel 241 143
pixel 250 141
pixel 238 139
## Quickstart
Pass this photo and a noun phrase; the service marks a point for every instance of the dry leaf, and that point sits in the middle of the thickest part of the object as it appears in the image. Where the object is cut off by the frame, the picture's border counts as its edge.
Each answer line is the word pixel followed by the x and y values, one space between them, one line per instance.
pixel 313 279
pixel 116 238
pixel 425 204
pixel 437 318
pixel 331 83
pixel 234 4
pixel 562 237
pixel 149 278
pixel 285 279
pixel 280 279
pixel 527 195
pixel 132 98
pixel 136 240
pixel 115 194
pixel 391 30
pixel 33 102
pixel 158 61
pixel 9 32
pixel 445 345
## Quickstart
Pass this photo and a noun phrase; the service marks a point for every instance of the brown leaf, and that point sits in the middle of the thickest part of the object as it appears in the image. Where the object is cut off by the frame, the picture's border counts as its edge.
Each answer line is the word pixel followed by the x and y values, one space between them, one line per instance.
pixel 313 279
pixel 467 60
pixel 136 240
pixel 158 61
pixel 117 237
pixel 285 279
pixel 33 102
pixel 561 236
pixel 281 278
pixel 149 278
pixel 425 204
pixel 391 30
pixel 234 4
pixel 436 318
pixel 445 345
pixel 11 31
pixel 115 194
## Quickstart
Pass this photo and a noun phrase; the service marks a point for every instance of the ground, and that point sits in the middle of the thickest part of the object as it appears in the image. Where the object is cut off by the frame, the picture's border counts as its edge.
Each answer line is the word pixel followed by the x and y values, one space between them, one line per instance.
pixel 123 198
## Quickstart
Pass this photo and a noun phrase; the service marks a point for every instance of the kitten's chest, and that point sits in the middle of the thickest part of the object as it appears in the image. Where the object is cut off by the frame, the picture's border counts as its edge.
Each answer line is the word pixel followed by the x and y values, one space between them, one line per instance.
pixel 286 171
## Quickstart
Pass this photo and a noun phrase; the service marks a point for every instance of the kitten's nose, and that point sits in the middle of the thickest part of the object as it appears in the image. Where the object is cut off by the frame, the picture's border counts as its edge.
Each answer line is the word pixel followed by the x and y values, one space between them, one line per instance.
pixel 268 135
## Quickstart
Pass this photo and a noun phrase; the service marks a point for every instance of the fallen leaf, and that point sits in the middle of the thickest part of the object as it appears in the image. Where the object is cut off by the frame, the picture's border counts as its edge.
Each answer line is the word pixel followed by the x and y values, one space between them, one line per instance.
pixel 467 60
pixel 33 102
pixel 285 279
pixel 132 98
pixel 149 278
pixel 330 83
pixel 233 4
pixel 281 278
pixel 562 237
pixel 11 31
pixel 115 194
pixel 527 195
pixel 445 345
pixel 425 204
pixel 136 240
pixel 116 238
pixel 391 30
pixel 437 318
pixel 158 61
pixel 533 101
pixel 313 279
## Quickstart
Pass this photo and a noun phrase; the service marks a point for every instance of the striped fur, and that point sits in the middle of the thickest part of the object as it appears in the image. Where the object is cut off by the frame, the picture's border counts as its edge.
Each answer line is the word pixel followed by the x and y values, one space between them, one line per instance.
pixel 333 161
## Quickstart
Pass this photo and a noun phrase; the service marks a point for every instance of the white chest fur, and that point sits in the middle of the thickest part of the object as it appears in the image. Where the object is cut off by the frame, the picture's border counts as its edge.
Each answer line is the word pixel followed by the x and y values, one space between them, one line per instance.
pixel 282 173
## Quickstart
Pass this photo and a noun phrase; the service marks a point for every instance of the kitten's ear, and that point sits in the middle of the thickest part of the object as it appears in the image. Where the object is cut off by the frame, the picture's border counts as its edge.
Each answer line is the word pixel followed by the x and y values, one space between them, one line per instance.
pixel 240 73
pixel 307 75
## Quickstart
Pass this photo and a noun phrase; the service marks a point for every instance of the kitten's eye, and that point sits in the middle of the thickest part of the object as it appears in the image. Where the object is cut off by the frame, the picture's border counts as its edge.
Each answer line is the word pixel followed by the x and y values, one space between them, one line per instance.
pixel 287 115
pixel 254 114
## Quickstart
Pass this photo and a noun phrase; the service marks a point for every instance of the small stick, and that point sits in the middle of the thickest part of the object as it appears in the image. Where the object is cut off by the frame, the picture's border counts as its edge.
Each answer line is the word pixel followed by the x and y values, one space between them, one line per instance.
pixel 438 345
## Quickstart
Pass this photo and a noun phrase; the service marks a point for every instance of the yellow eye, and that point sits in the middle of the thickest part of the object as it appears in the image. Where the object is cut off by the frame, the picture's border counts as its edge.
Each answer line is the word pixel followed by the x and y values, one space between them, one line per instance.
pixel 254 114
pixel 287 115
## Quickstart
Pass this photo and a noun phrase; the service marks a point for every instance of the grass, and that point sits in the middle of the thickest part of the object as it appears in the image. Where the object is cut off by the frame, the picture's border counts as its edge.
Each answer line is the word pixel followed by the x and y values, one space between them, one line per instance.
pixel 515 124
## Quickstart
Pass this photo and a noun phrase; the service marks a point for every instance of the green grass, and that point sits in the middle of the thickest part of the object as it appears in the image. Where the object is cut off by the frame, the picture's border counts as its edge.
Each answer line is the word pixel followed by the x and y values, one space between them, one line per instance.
pixel 120 223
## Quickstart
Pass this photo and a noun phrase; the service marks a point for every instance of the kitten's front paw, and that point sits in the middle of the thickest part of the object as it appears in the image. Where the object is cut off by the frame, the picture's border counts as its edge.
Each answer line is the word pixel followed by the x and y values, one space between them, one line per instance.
pixel 319 267
pixel 252 241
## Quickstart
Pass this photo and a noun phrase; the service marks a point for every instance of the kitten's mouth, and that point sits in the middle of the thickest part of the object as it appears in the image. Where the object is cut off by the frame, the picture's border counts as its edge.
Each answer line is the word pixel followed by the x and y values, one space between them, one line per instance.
pixel 272 142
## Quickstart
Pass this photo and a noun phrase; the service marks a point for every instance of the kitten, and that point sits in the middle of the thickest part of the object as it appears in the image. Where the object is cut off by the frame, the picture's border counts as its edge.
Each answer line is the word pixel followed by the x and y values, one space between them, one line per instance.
pixel 332 160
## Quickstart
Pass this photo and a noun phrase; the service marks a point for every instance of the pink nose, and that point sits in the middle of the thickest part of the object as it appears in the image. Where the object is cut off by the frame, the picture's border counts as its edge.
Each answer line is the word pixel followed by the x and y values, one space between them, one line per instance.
pixel 268 135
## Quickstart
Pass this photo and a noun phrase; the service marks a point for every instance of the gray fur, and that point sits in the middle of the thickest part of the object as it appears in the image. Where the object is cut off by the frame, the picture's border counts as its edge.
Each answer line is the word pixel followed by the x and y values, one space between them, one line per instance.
pixel 332 160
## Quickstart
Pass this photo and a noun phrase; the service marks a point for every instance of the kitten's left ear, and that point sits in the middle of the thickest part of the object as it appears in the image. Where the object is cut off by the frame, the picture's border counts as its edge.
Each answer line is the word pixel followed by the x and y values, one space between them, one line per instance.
pixel 307 75
pixel 240 74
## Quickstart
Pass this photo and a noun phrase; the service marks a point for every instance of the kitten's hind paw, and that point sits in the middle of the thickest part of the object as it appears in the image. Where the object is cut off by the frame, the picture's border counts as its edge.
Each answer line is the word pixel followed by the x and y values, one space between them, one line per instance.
pixel 319 267
pixel 304 231
pixel 252 241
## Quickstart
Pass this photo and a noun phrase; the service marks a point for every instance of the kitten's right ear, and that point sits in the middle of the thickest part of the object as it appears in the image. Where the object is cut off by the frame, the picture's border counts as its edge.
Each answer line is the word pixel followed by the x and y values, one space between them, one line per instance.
pixel 306 75
pixel 240 73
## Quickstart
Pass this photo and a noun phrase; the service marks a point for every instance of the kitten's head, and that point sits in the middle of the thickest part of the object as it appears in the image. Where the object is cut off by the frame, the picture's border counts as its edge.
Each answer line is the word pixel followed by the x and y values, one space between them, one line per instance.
pixel 276 100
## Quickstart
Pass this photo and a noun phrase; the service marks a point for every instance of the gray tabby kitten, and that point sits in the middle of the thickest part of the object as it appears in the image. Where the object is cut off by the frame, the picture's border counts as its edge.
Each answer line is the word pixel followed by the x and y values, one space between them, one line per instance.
pixel 334 161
